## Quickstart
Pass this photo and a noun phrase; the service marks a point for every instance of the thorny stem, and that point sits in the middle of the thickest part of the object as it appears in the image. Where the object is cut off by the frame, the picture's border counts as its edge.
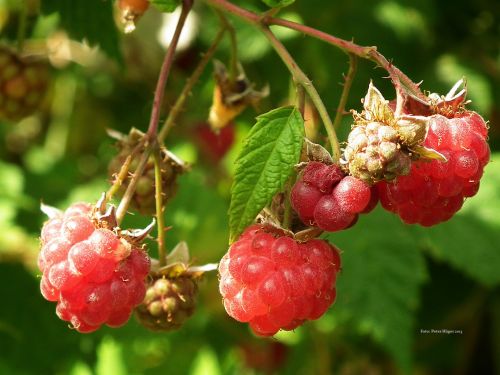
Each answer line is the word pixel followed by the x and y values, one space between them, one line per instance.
pixel 304 81
pixel 151 135
pixel 181 99
pixel 160 219
pixel 353 62
pixel 129 193
pixel 165 69
pixel 369 53
pixel 123 173
pixel 233 68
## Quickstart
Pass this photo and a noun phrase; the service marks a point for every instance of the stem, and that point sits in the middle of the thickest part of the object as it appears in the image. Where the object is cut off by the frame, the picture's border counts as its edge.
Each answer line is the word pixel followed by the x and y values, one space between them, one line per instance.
pixel 301 99
pixel 165 69
pixel 160 219
pixel 233 65
pixel 304 81
pixel 129 193
pixel 21 29
pixel 288 213
pixel 151 137
pixel 369 53
pixel 181 99
pixel 122 174
pixel 353 62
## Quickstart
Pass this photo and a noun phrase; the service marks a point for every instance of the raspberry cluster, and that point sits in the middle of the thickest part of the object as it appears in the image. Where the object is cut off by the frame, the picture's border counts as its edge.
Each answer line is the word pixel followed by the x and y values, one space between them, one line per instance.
pixel 273 282
pixel 95 276
pixel 435 190
pixel 323 196
pixel 23 84
pixel 168 303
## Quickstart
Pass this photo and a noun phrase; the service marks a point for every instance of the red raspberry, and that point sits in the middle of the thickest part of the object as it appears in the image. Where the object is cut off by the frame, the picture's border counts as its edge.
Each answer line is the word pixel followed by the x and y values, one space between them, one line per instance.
pixel 214 145
pixel 434 191
pixel 95 276
pixel 323 196
pixel 273 282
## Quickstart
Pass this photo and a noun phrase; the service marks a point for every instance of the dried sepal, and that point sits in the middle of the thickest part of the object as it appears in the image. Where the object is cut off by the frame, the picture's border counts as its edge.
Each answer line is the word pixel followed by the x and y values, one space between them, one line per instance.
pixel 231 96
pixel 376 107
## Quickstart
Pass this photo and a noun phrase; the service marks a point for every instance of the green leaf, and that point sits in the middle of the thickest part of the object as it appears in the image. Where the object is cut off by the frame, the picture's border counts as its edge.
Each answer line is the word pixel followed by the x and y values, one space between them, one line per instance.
pixel 266 161
pixel 167 6
pixel 278 3
pixel 378 288
pixel 469 241
pixel 90 20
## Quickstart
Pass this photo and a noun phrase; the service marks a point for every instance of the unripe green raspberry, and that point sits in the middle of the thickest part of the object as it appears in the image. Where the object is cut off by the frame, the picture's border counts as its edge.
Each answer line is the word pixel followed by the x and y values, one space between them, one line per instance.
pixel 169 302
pixel 23 84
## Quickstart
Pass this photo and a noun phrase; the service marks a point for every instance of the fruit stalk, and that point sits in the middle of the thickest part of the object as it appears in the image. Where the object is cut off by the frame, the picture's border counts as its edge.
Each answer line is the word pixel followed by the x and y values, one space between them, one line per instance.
pixel 195 76
pixel 165 69
pixel 233 68
pixel 353 63
pixel 160 221
pixel 21 29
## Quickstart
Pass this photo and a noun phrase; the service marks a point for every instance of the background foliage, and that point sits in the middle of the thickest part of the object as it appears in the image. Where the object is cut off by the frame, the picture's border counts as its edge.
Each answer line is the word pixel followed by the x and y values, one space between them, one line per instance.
pixel 397 280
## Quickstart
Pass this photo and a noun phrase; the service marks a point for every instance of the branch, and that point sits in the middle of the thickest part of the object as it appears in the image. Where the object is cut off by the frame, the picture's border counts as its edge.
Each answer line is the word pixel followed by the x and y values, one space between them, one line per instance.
pixel 181 99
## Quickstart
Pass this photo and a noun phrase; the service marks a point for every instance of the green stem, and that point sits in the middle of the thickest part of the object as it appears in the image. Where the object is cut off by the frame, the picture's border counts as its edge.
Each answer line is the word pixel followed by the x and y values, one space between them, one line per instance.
pixel 301 79
pixel 233 65
pixel 353 62
pixel 123 173
pixel 195 76
pixel 165 69
pixel 21 29
pixel 129 193
pixel 160 218
pixel 301 99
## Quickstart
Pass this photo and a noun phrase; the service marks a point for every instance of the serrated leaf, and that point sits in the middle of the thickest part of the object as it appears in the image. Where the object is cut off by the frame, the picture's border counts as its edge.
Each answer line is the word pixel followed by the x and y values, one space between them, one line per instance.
pixel 167 6
pixel 278 3
pixel 90 20
pixel 271 150
pixel 469 240
pixel 378 288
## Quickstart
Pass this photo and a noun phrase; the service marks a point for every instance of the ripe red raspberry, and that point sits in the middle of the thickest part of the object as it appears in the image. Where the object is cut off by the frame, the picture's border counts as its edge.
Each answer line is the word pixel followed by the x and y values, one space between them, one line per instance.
pixel 273 282
pixel 434 191
pixel 323 196
pixel 95 276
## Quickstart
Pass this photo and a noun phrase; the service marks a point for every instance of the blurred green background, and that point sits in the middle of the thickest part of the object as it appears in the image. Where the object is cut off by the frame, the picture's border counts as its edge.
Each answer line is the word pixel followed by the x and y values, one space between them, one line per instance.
pixel 396 281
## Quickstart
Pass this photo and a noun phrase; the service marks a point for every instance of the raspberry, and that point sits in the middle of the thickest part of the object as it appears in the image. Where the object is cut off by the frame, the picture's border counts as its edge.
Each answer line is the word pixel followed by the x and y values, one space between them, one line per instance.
pixel 323 196
pixel 169 302
pixel 82 265
pixel 214 145
pixel 143 199
pixel 434 191
pixel 273 282
pixel 373 152
pixel 23 85
pixel 131 11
